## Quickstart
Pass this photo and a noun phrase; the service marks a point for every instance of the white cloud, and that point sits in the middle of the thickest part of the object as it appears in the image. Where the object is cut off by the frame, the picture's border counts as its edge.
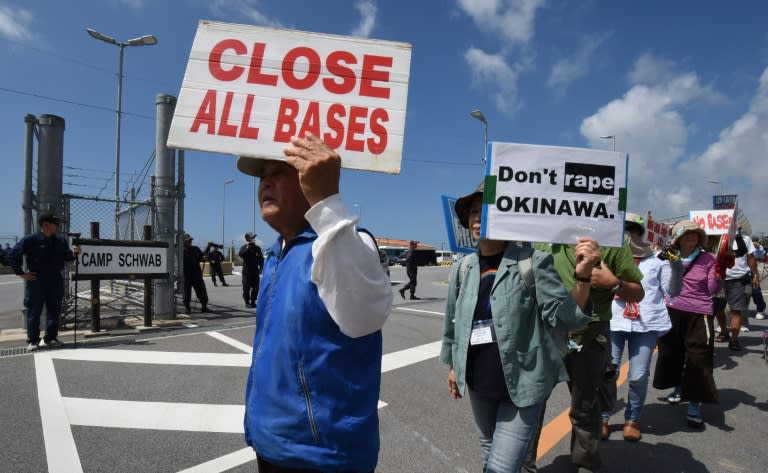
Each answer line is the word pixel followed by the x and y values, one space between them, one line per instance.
pixel 367 9
pixel 649 124
pixel 15 23
pixel 513 20
pixel 250 9
pixel 493 70
pixel 568 69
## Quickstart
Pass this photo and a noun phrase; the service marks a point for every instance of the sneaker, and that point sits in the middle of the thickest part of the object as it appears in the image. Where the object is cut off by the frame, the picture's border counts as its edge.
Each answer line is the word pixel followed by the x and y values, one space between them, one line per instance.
pixel 744 328
pixel 674 398
pixel 760 316
pixel 693 416
pixel 33 347
pixel 54 343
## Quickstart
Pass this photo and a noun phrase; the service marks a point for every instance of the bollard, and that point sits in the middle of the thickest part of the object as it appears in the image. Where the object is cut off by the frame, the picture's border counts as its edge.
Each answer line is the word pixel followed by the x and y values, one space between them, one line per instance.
pixel 95 290
pixel 147 285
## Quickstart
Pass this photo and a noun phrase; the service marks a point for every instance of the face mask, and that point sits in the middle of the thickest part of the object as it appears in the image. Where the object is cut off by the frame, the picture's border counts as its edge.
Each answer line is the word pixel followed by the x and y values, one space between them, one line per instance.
pixel 639 246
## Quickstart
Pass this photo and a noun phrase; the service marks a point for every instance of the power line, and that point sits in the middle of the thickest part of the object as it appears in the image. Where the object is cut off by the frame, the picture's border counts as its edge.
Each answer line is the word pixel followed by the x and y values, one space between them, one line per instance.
pixel 72 102
pixel 450 163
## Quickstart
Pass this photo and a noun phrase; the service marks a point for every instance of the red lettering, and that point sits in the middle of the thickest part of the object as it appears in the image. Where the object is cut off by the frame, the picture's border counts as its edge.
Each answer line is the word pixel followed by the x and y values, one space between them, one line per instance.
pixel 206 114
pixel 286 117
pixel 378 116
pixel 356 127
pixel 335 111
pixel 247 131
pixel 346 74
pixel 369 74
pixel 255 76
pixel 311 123
pixel 313 71
pixel 226 128
pixel 214 59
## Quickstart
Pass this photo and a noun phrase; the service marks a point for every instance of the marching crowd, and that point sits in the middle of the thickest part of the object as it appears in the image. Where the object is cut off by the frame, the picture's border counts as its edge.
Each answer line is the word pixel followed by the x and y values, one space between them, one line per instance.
pixel 519 319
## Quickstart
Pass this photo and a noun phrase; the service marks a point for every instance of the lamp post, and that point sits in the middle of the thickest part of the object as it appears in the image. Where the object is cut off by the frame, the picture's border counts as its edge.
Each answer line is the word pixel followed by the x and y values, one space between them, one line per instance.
pixel 146 40
pixel 716 182
pixel 224 205
pixel 359 211
pixel 255 194
pixel 479 115
pixel 612 138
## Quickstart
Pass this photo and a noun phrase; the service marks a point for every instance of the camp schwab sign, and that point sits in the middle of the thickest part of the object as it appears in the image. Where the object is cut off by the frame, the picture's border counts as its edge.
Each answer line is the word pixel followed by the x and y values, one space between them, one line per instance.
pixel 247 90
pixel 554 194
pixel 116 259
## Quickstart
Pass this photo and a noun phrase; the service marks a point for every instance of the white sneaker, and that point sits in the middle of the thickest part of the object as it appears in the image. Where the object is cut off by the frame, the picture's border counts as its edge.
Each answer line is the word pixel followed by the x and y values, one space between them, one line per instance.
pixel 760 316
pixel 33 347
pixel 744 328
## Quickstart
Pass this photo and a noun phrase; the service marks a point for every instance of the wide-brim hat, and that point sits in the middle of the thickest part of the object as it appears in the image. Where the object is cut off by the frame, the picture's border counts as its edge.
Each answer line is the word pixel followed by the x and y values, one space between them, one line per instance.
pixel 462 205
pixel 684 226
pixel 254 166
pixel 633 219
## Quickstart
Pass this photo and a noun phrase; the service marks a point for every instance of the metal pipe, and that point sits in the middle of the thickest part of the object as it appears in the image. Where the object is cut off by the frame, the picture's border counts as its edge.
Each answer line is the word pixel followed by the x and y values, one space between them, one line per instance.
pixel 117 139
pixel 165 196
pixel 26 197
pixel 180 194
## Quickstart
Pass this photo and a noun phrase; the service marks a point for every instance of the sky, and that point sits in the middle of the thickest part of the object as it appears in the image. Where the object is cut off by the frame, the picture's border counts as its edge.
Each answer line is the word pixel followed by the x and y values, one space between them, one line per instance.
pixel 683 87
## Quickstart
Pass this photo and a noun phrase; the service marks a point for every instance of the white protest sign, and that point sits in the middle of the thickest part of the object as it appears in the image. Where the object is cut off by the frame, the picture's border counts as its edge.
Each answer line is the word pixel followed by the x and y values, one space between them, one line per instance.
pixel 248 89
pixel 116 260
pixel 553 194
pixel 714 222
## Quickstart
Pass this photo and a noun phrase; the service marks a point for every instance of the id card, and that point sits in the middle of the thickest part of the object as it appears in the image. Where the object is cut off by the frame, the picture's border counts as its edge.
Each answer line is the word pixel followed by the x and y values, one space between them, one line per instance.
pixel 482 332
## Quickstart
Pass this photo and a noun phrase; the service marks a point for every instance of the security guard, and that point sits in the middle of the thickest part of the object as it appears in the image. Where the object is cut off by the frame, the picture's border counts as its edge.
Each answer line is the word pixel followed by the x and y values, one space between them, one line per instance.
pixel 253 262
pixel 193 275
pixel 215 257
pixel 46 253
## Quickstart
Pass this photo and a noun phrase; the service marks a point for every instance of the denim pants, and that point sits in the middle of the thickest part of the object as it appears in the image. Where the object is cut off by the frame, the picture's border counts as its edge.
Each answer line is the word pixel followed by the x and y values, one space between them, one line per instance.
pixel 45 291
pixel 640 347
pixel 505 432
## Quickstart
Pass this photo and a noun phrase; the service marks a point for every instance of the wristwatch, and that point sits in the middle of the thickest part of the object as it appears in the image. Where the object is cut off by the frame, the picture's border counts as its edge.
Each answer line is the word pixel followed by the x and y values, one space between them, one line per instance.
pixel 617 287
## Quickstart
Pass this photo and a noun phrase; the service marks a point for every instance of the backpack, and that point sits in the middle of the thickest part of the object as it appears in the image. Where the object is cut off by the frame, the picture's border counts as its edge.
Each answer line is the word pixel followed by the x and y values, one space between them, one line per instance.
pixel 525 268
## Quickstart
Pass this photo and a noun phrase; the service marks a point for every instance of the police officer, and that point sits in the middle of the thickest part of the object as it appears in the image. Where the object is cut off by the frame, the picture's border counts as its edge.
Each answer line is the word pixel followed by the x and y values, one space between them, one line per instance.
pixel 193 275
pixel 215 257
pixel 253 262
pixel 46 252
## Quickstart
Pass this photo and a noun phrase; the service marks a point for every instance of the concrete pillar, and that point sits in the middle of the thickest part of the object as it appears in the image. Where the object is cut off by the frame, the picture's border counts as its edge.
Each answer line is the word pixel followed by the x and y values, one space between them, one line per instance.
pixel 165 198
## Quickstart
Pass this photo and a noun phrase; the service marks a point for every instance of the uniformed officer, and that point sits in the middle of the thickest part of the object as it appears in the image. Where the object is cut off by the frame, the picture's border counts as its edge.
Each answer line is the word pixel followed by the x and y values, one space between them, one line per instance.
pixel 215 257
pixel 253 262
pixel 193 275
pixel 46 253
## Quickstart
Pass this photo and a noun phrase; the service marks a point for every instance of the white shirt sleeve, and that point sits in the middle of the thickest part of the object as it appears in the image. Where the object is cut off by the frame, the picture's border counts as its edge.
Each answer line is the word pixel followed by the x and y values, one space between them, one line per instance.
pixel 347 271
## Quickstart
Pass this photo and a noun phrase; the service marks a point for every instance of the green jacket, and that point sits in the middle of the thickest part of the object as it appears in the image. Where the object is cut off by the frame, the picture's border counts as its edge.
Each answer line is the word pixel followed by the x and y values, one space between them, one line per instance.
pixel 531 361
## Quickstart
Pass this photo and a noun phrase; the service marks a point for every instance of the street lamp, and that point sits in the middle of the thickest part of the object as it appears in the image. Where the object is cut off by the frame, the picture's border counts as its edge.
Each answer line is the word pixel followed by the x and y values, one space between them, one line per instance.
pixel 612 138
pixel 359 211
pixel 146 40
pixel 479 115
pixel 224 206
pixel 716 182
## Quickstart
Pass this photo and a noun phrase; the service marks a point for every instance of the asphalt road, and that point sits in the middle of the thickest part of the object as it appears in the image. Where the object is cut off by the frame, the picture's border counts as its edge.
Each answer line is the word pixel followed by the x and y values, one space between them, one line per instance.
pixel 172 401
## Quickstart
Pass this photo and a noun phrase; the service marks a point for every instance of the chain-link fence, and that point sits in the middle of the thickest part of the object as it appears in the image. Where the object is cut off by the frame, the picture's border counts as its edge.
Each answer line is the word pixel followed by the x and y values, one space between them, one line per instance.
pixel 118 298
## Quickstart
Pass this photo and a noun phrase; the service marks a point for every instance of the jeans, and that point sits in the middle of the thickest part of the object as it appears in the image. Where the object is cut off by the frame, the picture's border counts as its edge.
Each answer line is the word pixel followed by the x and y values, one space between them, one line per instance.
pixel 640 346
pixel 505 432
pixel 757 297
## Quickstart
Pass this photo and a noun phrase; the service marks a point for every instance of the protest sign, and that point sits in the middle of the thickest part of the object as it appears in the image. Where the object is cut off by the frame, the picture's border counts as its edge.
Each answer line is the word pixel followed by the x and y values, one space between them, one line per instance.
pixel 248 89
pixel 553 194
pixel 657 233
pixel 459 238
pixel 714 222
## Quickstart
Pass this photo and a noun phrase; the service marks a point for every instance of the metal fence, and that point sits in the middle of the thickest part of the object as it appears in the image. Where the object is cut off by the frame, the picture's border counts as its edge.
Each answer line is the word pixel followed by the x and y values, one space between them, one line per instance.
pixel 118 297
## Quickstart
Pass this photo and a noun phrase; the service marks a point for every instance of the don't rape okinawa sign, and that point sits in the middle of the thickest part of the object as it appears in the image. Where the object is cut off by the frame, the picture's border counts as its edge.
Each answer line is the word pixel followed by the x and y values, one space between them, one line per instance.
pixel 248 89
pixel 553 194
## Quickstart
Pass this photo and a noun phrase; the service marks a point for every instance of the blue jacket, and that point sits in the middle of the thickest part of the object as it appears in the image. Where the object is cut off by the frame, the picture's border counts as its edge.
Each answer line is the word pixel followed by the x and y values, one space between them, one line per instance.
pixel 312 391
pixel 44 257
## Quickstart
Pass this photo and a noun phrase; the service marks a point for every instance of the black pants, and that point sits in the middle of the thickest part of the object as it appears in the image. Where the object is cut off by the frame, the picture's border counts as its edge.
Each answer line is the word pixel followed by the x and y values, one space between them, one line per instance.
pixel 195 281
pixel 217 271
pixel 266 467
pixel 251 288
pixel 411 283
pixel 686 357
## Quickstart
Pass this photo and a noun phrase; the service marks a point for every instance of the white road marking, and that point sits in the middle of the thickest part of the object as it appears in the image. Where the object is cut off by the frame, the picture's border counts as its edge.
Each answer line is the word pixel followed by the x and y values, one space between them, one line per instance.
pixel 409 356
pixel 155 415
pixel 231 341
pixel 11 282
pixel 408 309
pixel 227 462
pixel 155 357
pixel 60 449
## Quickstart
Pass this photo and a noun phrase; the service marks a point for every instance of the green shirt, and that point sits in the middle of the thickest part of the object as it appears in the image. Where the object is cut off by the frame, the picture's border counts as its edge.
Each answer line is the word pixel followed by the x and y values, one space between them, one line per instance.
pixel 619 261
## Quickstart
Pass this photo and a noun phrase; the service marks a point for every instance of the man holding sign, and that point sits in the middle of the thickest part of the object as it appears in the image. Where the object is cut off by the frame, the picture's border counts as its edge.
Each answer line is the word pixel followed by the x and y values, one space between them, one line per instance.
pixel 313 387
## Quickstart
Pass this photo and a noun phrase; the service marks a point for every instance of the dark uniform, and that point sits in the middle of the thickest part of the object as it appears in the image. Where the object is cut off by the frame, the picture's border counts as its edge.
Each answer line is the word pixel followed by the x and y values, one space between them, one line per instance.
pixel 412 270
pixel 215 257
pixel 253 262
pixel 193 276
pixel 45 258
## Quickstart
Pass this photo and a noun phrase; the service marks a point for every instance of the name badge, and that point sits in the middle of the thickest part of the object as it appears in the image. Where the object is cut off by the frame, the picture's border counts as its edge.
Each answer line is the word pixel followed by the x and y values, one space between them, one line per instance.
pixel 482 332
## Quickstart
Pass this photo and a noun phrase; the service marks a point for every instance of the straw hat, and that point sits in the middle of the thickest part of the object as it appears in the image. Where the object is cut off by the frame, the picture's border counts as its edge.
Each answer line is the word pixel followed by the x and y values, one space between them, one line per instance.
pixel 684 226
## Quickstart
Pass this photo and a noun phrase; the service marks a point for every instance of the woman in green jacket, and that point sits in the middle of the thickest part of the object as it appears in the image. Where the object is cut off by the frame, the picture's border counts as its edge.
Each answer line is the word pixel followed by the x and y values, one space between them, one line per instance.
pixel 499 334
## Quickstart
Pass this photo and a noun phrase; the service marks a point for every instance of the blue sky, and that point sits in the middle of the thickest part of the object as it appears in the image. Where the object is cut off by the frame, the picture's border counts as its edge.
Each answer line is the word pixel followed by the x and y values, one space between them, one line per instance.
pixel 682 85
